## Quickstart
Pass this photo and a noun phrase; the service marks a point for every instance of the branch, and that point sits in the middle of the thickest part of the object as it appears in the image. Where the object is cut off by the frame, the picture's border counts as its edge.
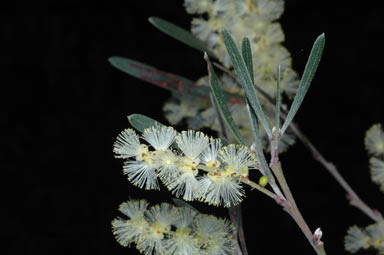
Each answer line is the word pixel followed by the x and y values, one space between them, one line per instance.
pixel 290 205
pixel 353 198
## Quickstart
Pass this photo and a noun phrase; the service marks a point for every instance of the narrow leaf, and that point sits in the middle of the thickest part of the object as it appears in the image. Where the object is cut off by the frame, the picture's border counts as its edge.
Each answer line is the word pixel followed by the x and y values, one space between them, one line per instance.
pixel 169 81
pixel 247 55
pixel 180 34
pixel 141 122
pixel 309 72
pixel 245 79
pixel 172 82
pixel 224 138
pixel 218 113
pixel 221 102
pixel 278 100
pixel 259 147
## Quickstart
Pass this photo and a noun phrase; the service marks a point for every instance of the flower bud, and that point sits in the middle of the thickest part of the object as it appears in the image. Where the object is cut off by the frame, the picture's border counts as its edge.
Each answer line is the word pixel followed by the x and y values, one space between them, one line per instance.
pixel 263 181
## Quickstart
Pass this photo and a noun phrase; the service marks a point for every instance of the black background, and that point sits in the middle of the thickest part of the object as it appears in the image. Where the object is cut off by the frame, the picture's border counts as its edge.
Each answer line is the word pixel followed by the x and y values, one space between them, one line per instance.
pixel 63 105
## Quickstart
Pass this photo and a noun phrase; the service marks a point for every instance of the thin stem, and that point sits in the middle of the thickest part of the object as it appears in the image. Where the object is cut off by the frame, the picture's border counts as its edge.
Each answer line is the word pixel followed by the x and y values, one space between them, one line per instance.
pixel 290 205
pixel 243 180
pixel 256 186
pixel 221 121
pixel 354 199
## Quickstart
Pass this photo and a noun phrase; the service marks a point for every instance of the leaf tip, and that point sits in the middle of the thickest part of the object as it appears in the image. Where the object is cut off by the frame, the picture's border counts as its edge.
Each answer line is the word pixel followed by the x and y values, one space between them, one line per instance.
pixel 112 59
pixel 321 37
pixel 224 32
pixel 130 117
pixel 152 20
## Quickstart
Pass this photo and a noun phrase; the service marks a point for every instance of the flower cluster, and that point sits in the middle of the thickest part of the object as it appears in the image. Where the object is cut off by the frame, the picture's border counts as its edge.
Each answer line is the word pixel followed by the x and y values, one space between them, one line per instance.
pixel 374 143
pixel 255 19
pixel 200 169
pixel 166 229
pixel 370 237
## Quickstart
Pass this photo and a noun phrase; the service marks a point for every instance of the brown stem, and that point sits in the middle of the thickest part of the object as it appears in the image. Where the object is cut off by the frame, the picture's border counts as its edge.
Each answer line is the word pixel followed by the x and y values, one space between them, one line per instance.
pixel 241 233
pixel 354 199
pixel 290 206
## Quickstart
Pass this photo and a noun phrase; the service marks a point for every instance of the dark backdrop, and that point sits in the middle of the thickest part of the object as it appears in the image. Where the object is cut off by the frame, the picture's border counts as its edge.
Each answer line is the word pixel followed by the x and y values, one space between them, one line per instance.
pixel 63 105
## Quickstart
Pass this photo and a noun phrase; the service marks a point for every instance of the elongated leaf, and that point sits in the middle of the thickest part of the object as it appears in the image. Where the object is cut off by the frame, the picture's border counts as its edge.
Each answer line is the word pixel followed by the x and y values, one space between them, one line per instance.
pixel 169 81
pixel 221 102
pixel 278 100
pixel 172 82
pixel 245 79
pixel 309 72
pixel 219 116
pixel 235 211
pixel 141 122
pixel 259 147
pixel 247 55
pixel 224 139
pixel 180 34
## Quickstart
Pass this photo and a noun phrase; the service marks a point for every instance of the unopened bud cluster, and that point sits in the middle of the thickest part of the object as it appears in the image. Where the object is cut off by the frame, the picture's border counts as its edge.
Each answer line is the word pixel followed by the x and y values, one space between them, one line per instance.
pixel 166 229
pixel 200 169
